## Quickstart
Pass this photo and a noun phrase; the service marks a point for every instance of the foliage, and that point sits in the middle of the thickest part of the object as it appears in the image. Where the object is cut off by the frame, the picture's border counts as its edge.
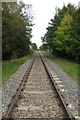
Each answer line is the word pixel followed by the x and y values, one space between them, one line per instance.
pixel 43 47
pixel 34 46
pixel 63 33
pixel 76 34
pixel 16 30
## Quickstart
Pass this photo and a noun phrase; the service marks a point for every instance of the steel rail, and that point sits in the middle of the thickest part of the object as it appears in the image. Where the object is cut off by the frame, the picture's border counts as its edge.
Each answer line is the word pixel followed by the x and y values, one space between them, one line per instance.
pixel 69 115
pixel 13 103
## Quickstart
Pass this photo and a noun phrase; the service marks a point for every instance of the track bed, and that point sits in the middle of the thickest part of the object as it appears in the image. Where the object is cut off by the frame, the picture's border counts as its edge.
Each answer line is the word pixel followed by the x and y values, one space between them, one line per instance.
pixel 38 97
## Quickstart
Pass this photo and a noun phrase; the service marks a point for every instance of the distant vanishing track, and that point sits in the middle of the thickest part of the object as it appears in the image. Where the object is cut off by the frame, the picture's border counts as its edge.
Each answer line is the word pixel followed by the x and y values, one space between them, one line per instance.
pixel 37 96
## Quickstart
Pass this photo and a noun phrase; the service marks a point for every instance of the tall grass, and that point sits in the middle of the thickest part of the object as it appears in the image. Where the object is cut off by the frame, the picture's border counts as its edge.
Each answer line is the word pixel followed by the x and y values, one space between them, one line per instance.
pixel 9 67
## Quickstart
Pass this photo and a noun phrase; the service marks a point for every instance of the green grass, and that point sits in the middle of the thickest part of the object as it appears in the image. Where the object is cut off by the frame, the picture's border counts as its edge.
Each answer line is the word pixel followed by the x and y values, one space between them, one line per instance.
pixel 68 66
pixel 9 67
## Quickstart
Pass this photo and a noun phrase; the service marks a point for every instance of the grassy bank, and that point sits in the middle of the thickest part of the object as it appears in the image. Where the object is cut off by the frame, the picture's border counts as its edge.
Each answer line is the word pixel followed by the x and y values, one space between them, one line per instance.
pixel 70 67
pixel 9 67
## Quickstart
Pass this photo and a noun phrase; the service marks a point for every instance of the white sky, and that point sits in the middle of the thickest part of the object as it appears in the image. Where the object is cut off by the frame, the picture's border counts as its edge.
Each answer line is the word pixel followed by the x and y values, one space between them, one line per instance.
pixel 44 10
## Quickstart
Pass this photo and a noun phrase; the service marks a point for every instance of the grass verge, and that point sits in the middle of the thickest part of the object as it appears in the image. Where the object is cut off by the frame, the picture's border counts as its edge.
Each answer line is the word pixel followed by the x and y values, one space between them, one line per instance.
pixel 10 67
pixel 68 66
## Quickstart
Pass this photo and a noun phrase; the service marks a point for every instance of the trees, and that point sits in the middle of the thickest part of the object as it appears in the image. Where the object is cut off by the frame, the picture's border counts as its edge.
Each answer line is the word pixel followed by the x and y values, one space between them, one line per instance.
pixel 55 23
pixel 76 35
pixel 62 39
pixel 43 47
pixel 34 46
pixel 16 30
pixel 63 33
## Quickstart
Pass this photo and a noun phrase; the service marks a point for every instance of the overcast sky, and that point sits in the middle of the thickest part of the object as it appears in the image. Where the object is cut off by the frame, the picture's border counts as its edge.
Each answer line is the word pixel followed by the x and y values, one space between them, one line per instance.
pixel 44 10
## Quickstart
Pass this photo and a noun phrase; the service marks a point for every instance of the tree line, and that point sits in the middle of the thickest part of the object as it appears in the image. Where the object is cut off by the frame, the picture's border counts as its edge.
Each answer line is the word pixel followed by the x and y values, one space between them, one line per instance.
pixel 63 33
pixel 16 30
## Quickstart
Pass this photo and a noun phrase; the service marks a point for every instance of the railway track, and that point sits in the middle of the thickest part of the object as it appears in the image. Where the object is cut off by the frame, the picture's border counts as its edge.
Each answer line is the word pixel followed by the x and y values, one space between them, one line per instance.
pixel 38 95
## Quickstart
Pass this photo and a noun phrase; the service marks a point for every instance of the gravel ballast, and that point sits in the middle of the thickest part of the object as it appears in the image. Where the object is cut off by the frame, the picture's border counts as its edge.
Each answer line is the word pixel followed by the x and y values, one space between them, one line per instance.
pixel 39 98
pixel 10 87
pixel 70 86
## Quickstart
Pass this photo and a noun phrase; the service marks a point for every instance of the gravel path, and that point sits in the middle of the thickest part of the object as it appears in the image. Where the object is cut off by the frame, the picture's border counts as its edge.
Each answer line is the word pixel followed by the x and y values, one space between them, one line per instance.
pixel 12 84
pixel 71 87
pixel 38 99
